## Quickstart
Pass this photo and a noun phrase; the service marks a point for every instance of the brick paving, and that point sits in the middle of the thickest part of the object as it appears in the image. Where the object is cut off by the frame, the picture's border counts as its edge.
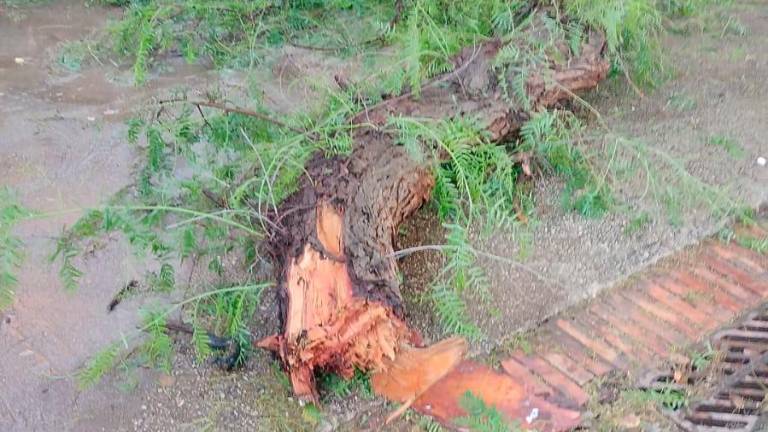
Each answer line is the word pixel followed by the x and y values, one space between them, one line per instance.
pixel 630 327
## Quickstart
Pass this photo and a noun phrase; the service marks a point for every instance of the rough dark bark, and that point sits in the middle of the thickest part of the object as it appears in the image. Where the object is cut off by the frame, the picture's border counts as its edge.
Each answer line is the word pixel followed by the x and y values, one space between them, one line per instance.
pixel 340 296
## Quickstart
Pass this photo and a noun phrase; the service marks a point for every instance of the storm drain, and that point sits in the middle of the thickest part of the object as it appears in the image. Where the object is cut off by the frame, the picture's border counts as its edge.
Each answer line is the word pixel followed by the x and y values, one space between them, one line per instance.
pixel 735 397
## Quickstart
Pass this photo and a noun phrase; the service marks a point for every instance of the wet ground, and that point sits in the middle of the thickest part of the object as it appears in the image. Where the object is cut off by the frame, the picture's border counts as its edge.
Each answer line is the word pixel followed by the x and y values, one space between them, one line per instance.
pixel 62 147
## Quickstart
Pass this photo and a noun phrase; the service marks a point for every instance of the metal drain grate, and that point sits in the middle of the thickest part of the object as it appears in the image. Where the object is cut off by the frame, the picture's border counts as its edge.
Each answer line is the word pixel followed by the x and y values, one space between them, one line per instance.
pixel 738 397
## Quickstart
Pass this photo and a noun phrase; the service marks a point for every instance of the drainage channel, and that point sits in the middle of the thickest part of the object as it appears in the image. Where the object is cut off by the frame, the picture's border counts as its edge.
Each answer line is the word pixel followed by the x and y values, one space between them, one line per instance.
pixel 735 393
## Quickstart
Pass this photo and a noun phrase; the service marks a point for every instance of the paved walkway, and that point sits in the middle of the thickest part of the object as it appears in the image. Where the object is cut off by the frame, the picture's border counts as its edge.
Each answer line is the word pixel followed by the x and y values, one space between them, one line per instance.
pixel 633 327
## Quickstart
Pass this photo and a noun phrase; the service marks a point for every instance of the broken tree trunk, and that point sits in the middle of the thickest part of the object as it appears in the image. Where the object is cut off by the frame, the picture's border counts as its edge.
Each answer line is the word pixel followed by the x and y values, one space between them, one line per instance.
pixel 339 293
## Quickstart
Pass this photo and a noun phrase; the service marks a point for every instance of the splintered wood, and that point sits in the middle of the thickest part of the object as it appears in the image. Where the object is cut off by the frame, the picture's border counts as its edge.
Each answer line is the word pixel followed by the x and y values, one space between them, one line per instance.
pixel 326 325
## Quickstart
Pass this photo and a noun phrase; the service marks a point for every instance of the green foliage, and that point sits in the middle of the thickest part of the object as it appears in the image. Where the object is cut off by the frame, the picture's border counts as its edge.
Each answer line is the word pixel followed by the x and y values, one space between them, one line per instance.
pixel 11 255
pixel 481 417
pixel 730 145
pixel 200 341
pixel 157 348
pixel 667 397
pixel 551 135
pixel 459 278
pixel 637 223
pixel 98 366
pixel 429 424
pixel 238 34
pixel 164 280
pixel 337 387
pixel 68 273
pixel 632 29
pixel 700 360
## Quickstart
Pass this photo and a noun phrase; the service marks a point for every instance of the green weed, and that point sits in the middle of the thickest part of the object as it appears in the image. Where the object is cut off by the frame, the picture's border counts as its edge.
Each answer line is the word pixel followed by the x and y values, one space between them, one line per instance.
pixel 729 144
pixel 337 387
pixel 759 245
pixel 666 397
pixel 701 359
pixel 11 253
pixel 637 223
pixel 481 417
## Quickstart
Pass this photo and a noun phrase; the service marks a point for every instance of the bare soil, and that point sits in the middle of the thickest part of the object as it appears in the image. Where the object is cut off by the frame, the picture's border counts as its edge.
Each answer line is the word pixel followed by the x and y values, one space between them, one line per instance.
pixel 62 146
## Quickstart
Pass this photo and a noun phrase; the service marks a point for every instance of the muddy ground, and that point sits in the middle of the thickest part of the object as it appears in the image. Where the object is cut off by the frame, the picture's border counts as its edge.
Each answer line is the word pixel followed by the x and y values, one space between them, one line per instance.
pixel 62 146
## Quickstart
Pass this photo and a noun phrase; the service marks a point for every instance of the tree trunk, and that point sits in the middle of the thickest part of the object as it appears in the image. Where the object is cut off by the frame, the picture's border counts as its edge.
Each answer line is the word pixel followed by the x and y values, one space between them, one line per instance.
pixel 339 293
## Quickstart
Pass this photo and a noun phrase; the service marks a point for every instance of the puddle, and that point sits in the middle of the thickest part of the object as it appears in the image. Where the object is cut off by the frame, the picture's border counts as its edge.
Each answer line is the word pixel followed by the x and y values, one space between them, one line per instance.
pixel 62 146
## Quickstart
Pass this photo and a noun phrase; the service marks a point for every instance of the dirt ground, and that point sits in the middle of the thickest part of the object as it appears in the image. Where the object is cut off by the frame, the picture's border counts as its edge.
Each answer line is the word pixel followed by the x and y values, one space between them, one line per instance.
pixel 62 146
pixel 718 89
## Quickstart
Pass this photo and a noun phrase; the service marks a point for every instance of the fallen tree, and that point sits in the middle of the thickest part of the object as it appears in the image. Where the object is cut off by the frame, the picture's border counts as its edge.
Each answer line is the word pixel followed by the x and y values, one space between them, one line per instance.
pixel 340 299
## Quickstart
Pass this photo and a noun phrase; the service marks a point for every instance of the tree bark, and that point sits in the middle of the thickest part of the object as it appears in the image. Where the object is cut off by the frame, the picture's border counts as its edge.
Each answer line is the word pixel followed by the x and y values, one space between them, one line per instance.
pixel 340 298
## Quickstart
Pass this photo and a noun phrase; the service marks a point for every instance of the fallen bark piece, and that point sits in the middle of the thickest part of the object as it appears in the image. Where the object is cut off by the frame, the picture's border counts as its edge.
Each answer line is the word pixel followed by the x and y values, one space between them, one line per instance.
pixel 339 291
pixel 500 391
pixel 404 378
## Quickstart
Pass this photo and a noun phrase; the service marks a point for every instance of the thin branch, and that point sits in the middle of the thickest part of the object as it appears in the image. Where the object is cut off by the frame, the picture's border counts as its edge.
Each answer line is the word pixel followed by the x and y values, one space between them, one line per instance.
pixel 407 251
pixel 377 39
pixel 431 83
pixel 629 79
pixel 238 110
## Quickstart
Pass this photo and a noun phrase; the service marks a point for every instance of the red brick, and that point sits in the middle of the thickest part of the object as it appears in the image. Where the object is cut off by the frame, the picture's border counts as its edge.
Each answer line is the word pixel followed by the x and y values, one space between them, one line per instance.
pixel 523 375
pixel 568 366
pixel 554 378
pixel 676 304
pixel 757 262
pixel 662 313
pixel 754 283
pixel 746 297
pixel 722 297
pixel 598 347
pixel 574 350
pixel 606 331
pixel 706 302
pixel 499 390
pixel 632 330
pixel 647 322
pixel 731 253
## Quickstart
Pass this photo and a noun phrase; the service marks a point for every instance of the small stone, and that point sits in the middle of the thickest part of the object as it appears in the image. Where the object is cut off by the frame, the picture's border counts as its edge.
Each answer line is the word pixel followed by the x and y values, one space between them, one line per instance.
pixel 143 407
pixel 761 161
pixel 19 60
pixel 110 112
pixel 91 119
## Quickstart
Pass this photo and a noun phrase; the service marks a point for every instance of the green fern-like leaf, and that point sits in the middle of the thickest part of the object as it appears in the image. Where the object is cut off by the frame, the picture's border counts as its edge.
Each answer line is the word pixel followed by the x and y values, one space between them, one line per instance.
pixel 481 417
pixel 165 279
pixel 520 89
pixel 412 51
pixel 201 343
pixel 66 251
pixel 451 310
pixel 11 213
pixel 157 349
pixel 99 365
